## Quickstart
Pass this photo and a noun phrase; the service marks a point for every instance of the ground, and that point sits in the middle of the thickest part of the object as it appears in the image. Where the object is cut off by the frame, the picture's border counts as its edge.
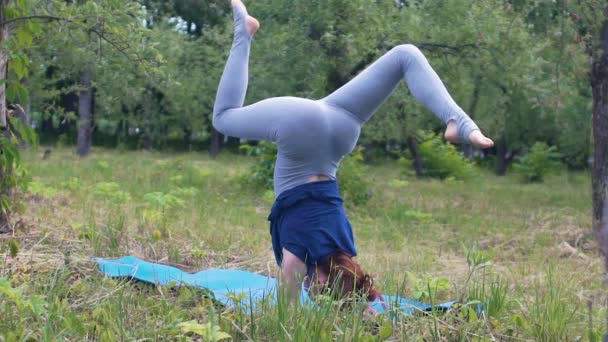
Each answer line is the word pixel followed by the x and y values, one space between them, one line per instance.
pixel 537 266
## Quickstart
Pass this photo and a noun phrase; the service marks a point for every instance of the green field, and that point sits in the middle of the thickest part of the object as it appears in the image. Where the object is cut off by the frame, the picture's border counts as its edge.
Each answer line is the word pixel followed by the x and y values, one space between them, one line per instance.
pixel 542 282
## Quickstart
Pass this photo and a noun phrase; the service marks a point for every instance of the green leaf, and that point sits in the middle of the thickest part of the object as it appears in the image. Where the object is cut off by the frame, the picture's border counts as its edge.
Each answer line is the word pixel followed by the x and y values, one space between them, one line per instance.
pixel 23 5
pixel 207 331
pixel 24 37
pixel 35 27
pixel 518 320
pixel 472 315
pixel 27 133
pixel 13 246
pixel 5 204
pixel 386 330
pixel 16 92
pixel 20 66
pixel 9 154
pixel 11 13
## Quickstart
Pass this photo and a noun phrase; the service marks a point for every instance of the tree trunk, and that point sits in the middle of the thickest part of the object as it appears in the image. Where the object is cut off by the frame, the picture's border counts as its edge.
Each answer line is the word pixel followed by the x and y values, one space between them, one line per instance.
pixel 85 113
pixel 501 157
pixel 217 139
pixel 3 64
pixel 599 87
pixel 27 108
pixel 468 149
pixel 188 138
pixel 418 166
pixel 147 141
pixel 4 218
pixel 18 113
pixel 599 172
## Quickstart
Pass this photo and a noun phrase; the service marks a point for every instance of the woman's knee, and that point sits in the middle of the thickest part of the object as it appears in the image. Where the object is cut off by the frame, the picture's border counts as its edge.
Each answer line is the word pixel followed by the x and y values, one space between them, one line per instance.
pixel 408 51
pixel 219 121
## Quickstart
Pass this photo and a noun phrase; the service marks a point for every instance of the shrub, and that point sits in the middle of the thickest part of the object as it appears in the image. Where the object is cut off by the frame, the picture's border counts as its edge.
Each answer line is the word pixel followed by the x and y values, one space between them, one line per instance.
pixel 442 160
pixel 63 140
pixel 352 178
pixel 260 175
pixel 538 162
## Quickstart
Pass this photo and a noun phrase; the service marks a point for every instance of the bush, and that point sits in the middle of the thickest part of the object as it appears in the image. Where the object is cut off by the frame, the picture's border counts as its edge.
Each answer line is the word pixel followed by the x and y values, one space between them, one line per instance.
pixel 538 162
pixel 442 160
pixel 351 176
pixel 260 175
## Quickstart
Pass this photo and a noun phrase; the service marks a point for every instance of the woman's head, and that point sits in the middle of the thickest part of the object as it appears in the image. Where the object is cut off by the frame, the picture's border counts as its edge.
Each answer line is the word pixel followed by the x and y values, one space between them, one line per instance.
pixel 340 276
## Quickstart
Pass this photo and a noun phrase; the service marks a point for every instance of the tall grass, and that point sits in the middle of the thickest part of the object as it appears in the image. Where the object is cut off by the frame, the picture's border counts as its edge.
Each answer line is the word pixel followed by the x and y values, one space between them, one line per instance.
pixel 196 213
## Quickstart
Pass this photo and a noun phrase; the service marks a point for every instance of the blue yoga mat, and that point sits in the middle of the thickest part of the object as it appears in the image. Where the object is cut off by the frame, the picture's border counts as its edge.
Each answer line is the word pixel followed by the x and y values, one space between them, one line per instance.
pixel 224 283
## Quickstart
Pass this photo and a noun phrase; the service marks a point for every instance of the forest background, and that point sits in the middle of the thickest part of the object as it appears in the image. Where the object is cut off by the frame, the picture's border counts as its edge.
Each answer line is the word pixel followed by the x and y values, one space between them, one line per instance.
pixel 142 75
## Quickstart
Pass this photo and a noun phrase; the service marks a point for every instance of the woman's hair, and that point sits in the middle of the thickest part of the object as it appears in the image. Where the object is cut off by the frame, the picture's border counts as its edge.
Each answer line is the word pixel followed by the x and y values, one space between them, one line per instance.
pixel 346 279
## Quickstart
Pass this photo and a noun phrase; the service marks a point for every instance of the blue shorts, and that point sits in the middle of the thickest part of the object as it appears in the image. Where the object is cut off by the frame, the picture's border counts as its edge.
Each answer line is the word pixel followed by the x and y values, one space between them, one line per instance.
pixel 309 221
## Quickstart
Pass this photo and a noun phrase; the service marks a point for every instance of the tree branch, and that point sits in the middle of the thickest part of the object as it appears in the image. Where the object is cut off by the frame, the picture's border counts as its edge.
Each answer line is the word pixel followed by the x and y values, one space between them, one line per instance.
pixel 40 17
pixel 441 46
pixel 100 32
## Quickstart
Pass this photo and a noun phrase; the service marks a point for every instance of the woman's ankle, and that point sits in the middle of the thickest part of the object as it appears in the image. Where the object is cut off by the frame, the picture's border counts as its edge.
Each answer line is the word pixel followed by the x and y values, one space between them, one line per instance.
pixel 451 132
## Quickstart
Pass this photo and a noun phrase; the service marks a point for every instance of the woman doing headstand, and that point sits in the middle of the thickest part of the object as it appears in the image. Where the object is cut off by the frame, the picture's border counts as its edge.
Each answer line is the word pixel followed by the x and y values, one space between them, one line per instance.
pixel 311 236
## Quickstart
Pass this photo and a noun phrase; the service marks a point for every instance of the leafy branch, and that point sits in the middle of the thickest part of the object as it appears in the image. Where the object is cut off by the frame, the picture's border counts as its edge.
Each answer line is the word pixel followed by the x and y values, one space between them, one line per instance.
pixel 32 17
pixel 99 29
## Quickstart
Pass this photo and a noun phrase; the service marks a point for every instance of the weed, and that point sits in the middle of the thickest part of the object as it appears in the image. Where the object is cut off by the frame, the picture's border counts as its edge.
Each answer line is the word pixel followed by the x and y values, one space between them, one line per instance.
pixel 538 162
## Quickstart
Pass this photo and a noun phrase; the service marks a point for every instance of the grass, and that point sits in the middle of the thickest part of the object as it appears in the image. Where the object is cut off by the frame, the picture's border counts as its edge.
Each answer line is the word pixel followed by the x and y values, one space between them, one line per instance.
pixel 523 250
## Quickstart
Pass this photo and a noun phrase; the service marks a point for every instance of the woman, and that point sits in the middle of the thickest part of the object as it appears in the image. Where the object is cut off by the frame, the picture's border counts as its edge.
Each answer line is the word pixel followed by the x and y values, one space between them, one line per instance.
pixel 311 236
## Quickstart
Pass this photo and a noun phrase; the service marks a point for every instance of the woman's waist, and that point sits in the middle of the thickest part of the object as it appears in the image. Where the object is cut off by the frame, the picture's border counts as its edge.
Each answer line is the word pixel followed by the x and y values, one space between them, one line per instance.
pixel 290 174
pixel 318 178
pixel 313 198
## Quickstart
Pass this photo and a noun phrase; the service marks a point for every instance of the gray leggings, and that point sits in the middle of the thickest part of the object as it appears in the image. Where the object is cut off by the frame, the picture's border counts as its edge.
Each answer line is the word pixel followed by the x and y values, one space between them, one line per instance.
pixel 312 136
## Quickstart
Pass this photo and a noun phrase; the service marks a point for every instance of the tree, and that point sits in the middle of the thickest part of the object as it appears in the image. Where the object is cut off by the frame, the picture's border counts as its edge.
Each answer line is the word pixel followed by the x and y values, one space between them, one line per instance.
pixel 12 132
pixel 564 108
pixel 201 19
pixel 598 52
pixel 3 62
pixel 591 20
pixel 92 41
pixel 24 19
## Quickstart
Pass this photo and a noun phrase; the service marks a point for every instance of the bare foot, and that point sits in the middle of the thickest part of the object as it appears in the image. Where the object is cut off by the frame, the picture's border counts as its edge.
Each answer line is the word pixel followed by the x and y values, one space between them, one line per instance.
pixel 251 23
pixel 476 138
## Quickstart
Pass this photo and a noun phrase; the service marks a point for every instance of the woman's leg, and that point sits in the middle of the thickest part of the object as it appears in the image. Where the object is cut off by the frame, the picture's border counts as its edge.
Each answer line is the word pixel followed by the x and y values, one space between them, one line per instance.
pixel 367 91
pixel 293 272
pixel 233 84
pixel 286 120
pixel 229 115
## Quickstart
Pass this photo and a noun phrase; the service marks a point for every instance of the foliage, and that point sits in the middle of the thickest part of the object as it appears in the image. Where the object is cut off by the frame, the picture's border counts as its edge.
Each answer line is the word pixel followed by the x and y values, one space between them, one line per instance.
pixel 208 331
pixel 442 160
pixel 428 289
pixel 20 312
pixel 12 173
pixel 163 201
pixel 111 192
pixel 487 54
pixel 538 162
pixel 22 38
pixel 354 178
pixel 39 189
pixel 260 175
